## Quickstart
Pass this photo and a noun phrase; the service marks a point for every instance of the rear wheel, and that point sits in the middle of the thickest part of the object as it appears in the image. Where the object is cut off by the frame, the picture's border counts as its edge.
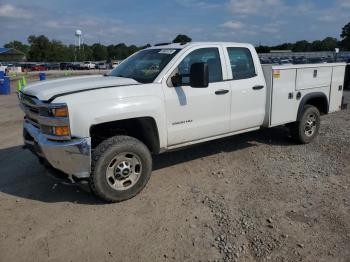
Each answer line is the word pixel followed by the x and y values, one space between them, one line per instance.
pixel 121 168
pixel 305 130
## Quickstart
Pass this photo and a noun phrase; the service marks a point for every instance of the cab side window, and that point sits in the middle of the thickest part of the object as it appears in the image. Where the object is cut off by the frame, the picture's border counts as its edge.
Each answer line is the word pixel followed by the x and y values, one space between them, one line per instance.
pixel 210 56
pixel 242 64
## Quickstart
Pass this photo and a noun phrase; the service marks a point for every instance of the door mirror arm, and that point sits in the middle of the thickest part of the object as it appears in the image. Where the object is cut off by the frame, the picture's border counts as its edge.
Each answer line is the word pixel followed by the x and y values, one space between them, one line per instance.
pixel 176 80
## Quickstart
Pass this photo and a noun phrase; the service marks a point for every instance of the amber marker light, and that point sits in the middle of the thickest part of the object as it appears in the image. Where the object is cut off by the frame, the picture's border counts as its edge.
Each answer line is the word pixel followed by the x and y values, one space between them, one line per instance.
pixel 61 131
pixel 60 112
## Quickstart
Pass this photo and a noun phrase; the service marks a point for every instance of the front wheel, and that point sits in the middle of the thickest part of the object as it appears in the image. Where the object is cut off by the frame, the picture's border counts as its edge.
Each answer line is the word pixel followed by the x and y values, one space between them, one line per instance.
pixel 121 168
pixel 305 130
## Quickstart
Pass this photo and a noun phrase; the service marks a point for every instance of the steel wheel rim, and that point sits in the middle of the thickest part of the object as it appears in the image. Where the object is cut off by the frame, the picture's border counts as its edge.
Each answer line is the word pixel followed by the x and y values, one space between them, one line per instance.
pixel 123 171
pixel 310 125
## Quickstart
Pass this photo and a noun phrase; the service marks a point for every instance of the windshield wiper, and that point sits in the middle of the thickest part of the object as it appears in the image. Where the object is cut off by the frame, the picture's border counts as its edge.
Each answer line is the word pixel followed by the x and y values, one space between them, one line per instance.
pixel 122 76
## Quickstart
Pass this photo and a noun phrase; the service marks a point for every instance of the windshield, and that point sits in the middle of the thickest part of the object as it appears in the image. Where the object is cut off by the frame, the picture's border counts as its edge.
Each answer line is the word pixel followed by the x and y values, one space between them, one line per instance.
pixel 146 65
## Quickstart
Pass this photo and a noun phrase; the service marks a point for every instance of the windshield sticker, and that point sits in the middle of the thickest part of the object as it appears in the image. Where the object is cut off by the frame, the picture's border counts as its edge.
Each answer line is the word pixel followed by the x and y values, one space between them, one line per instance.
pixel 167 51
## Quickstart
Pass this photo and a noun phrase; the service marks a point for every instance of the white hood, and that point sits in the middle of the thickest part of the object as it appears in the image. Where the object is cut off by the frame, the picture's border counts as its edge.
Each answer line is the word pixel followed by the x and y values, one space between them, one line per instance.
pixel 44 90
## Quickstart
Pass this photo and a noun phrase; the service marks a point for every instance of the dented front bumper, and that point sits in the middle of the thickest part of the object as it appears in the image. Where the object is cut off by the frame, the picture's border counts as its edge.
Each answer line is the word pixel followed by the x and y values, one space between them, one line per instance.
pixel 73 157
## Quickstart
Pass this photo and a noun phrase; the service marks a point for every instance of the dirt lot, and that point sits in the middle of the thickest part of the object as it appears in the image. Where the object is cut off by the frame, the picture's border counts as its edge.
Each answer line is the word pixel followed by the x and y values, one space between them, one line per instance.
pixel 252 197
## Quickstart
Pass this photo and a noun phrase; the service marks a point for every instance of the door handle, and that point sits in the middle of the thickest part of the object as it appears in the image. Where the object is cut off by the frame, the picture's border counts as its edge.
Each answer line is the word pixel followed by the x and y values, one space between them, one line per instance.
pixel 258 87
pixel 221 92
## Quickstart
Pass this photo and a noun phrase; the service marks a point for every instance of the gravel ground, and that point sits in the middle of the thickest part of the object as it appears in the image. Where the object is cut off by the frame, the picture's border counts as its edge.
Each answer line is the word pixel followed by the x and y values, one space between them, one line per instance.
pixel 252 197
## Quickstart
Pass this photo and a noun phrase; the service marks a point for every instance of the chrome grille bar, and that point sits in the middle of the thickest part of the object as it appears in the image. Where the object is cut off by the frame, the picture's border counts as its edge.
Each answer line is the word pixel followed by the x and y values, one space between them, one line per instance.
pixel 43 120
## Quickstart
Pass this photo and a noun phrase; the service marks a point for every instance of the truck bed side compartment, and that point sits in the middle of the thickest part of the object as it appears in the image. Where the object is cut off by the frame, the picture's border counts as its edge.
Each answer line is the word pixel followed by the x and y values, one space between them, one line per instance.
pixel 284 106
pixel 313 77
pixel 290 87
pixel 337 87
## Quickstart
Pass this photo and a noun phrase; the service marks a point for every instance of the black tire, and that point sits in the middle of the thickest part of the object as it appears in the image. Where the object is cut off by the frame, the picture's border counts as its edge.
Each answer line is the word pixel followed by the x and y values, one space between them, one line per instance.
pixel 101 160
pixel 301 131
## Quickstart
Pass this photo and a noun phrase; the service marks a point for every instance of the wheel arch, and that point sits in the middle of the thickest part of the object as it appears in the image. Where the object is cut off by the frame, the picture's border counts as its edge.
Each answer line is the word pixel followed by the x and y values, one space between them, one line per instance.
pixel 143 128
pixel 316 99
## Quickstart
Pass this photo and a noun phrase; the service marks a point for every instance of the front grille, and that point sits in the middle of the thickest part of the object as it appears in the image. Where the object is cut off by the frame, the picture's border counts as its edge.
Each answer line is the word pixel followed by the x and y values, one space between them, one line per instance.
pixel 31 109
pixel 32 121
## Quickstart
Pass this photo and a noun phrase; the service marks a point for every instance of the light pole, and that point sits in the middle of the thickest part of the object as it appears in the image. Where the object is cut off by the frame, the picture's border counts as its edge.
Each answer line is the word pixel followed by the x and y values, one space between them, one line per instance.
pixel 336 54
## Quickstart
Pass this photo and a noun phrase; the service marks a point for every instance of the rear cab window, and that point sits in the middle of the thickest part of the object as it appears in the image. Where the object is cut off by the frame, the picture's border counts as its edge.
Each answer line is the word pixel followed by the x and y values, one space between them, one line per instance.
pixel 241 63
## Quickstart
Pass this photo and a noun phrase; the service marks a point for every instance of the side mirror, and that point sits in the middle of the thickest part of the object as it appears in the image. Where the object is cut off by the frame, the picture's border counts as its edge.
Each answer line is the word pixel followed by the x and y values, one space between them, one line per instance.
pixel 199 75
pixel 176 80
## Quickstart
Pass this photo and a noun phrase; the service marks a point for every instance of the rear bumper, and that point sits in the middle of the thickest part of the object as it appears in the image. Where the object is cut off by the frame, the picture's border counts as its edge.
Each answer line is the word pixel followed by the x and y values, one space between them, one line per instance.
pixel 72 157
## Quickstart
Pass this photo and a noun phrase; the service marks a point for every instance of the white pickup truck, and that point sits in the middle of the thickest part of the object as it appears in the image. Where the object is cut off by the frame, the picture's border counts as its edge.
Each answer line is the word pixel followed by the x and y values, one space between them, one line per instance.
pixel 88 65
pixel 104 129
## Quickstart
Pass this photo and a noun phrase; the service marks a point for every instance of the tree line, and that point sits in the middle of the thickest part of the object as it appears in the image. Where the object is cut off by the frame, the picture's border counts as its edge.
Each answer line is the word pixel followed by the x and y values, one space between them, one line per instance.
pixel 327 44
pixel 40 48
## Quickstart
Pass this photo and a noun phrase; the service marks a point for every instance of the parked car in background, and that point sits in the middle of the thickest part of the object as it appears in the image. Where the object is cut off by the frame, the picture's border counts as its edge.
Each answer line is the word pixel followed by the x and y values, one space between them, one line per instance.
pixel 264 60
pixel 300 60
pixel 40 67
pixel 9 65
pixel 341 59
pixel 88 65
pixel 115 64
pixel 66 66
pixel 52 66
pixel 275 61
pixel 26 66
pixel 314 60
pixel 13 68
pixel 77 66
pixel 102 65
pixel 3 67
pixel 285 62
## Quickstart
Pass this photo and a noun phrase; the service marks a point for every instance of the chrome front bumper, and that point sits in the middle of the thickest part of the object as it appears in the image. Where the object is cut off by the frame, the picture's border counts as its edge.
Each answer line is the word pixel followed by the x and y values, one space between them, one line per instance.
pixel 72 157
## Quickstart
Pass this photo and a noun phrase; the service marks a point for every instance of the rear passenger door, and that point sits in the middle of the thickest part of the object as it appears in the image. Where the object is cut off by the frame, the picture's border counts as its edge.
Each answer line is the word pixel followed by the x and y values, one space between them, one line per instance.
pixel 248 88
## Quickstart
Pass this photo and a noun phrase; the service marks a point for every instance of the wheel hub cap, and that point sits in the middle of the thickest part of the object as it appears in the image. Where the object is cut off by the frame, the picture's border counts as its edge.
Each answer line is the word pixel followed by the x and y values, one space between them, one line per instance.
pixel 310 125
pixel 123 171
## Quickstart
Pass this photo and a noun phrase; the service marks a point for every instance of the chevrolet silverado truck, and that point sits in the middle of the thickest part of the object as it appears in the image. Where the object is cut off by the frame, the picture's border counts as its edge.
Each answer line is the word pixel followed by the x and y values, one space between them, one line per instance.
pixel 104 129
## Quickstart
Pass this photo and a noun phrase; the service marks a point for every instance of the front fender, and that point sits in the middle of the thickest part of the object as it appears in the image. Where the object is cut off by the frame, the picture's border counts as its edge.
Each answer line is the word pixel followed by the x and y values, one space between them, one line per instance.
pixel 84 113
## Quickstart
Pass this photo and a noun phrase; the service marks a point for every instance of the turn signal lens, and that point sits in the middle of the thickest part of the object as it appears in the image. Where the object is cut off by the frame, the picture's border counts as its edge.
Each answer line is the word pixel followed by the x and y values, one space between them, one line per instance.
pixel 61 131
pixel 60 112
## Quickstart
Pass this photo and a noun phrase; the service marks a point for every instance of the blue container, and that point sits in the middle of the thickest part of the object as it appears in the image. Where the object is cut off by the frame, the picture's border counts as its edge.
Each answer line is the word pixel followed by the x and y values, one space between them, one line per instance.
pixel 42 76
pixel 5 88
pixel 2 74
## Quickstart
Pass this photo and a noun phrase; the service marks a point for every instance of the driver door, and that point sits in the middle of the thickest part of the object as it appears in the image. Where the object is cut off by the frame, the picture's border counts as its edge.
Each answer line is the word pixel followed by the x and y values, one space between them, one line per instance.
pixel 198 113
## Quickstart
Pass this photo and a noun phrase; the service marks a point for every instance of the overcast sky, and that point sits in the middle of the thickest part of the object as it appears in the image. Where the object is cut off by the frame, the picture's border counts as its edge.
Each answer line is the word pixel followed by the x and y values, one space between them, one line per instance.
pixel 153 21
